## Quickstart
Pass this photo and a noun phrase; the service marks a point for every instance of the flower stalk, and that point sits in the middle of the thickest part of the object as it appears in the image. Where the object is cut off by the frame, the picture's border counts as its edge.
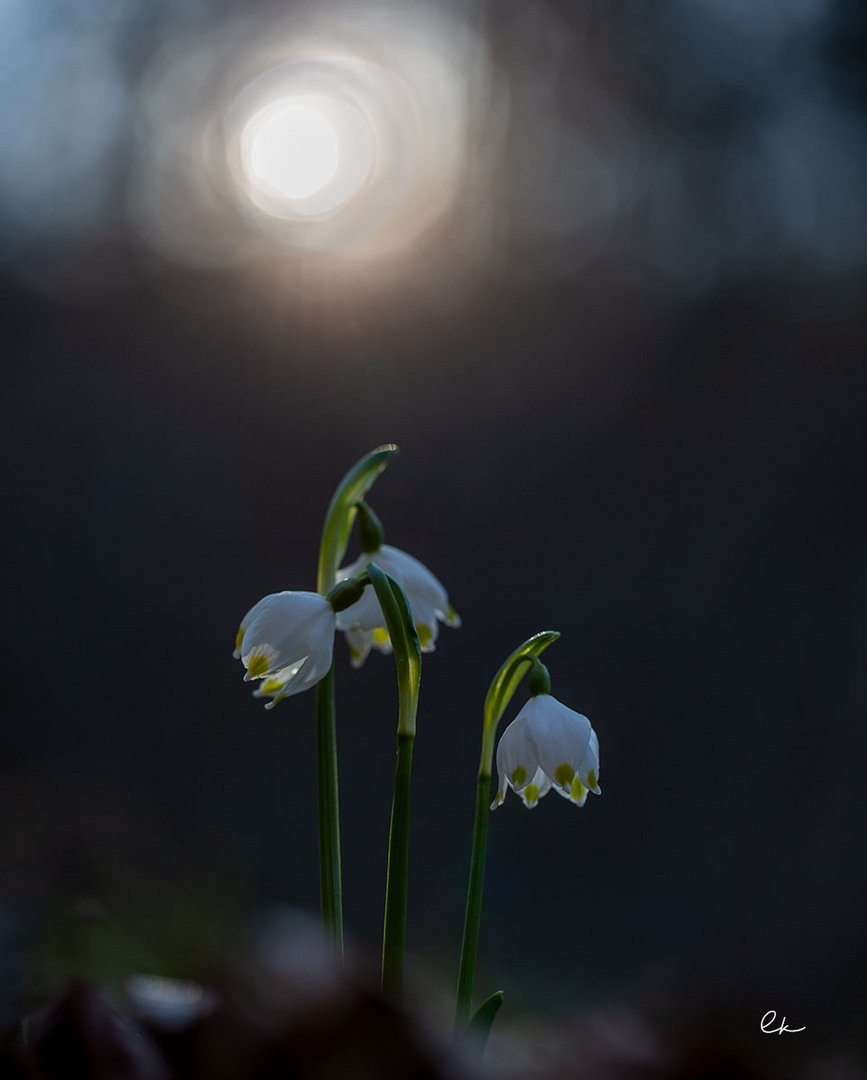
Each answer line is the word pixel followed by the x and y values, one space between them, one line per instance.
pixel 407 659
pixel 336 529
pixel 397 873
pixel 328 812
pixel 500 693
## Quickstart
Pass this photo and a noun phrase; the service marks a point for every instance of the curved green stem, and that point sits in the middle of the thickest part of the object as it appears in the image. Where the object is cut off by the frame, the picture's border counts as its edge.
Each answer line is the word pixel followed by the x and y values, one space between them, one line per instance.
pixel 407 659
pixel 335 537
pixel 342 510
pixel 500 693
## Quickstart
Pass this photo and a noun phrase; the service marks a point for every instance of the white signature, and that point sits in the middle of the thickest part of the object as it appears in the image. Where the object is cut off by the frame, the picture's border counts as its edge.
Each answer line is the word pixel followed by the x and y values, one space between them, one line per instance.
pixel 770 1018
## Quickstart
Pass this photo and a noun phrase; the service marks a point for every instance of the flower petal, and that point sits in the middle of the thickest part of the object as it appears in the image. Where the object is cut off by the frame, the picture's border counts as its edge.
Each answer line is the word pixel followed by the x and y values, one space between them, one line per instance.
pixel 284 629
pixel 245 622
pixel 517 760
pixel 537 789
pixel 589 767
pixel 577 792
pixel 365 613
pixel 562 738
pixel 273 686
pixel 414 577
pixel 426 595
pixel 359 642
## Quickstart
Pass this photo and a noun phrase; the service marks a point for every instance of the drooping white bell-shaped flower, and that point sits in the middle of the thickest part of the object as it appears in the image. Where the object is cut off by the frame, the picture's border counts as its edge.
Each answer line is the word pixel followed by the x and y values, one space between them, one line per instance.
pixel 364 623
pixel 548 745
pixel 287 640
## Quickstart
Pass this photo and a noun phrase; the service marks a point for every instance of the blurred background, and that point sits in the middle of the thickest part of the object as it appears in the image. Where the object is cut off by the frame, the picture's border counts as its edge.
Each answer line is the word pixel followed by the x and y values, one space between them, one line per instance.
pixel 602 278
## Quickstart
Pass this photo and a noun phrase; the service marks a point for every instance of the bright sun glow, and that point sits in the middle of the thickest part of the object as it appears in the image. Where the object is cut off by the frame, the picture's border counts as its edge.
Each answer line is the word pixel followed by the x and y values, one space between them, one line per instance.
pixel 303 156
pixel 345 135
pixel 290 149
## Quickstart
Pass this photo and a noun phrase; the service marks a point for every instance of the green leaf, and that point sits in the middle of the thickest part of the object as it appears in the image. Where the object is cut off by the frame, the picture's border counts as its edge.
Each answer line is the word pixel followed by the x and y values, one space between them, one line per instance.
pixel 404 642
pixel 504 685
pixel 407 661
pixel 341 513
pixel 481 1024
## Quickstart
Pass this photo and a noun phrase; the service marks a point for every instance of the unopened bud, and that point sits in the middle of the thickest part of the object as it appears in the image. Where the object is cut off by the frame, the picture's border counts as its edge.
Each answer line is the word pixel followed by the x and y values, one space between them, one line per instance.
pixel 371 534
pixel 346 593
pixel 539 680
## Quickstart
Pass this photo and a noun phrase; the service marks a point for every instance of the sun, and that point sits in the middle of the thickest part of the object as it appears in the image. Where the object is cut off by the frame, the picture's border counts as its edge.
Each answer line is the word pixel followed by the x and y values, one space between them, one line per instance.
pixel 290 150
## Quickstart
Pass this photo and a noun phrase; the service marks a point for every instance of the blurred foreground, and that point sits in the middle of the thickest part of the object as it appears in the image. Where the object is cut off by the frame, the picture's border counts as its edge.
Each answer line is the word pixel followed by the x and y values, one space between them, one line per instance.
pixel 286 1010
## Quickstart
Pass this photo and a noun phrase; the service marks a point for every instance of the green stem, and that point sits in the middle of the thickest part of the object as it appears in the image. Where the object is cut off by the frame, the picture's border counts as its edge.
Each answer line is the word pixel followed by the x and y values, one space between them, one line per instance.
pixel 475 889
pixel 336 528
pixel 407 663
pixel 500 693
pixel 330 892
pixel 397 875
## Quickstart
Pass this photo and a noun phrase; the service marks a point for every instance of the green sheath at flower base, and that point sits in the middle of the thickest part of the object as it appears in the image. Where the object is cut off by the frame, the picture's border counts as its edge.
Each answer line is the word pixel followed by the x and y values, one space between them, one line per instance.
pixel 407 659
pixel 342 510
pixel 500 693
pixel 503 687
pixel 406 647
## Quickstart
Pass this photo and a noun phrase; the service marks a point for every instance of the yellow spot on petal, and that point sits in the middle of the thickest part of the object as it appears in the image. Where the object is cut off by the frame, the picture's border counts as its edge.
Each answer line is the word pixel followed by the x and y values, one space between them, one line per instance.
pixel 272 686
pixel 579 792
pixel 425 634
pixel 592 782
pixel 519 776
pixel 563 775
pixel 257 666
pixel 380 636
pixel 452 617
pixel 239 637
pixel 531 794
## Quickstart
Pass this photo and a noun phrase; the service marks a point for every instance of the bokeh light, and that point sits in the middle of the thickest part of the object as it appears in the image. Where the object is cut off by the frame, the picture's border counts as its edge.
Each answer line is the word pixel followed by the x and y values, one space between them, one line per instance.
pixel 299 148
pixel 347 138
pixel 290 150
pixel 473 139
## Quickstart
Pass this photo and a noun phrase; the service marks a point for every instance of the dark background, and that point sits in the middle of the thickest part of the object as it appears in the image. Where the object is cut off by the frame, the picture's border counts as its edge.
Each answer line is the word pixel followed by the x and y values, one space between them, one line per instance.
pixel 641 423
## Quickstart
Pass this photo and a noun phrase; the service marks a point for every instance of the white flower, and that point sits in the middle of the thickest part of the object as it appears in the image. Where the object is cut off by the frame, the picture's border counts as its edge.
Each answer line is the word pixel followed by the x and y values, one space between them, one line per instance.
pixel 364 623
pixel 547 746
pixel 287 640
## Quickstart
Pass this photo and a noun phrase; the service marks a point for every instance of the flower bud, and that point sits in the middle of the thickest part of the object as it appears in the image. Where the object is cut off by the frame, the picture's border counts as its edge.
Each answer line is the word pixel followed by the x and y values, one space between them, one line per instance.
pixel 371 534
pixel 346 593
